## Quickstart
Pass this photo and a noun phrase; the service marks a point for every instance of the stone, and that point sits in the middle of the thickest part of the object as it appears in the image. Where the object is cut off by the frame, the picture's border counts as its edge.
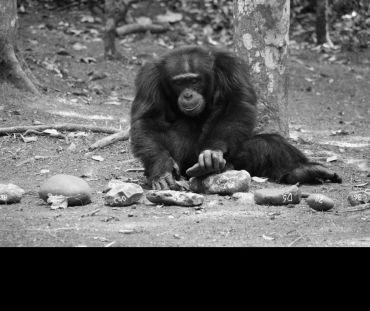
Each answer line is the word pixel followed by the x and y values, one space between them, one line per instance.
pixel 320 202
pixel 225 183
pixel 243 197
pixel 123 193
pixel 278 196
pixel 359 197
pixel 77 190
pixel 171 197
pixel 10 193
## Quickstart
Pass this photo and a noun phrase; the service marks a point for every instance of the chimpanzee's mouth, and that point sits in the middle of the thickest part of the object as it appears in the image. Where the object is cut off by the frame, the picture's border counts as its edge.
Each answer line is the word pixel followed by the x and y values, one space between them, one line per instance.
pixel 192 108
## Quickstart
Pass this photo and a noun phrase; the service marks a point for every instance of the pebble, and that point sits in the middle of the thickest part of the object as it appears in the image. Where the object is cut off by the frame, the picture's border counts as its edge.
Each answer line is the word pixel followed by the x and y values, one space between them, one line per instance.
pixel 244 197
pixel 10 193
pixel 77 190
pixel 171 197
pixel 228 182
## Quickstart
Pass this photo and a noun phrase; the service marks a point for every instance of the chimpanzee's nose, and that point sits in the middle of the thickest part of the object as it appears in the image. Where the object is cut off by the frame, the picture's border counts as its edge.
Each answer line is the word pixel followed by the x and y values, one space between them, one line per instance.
pixel 188 95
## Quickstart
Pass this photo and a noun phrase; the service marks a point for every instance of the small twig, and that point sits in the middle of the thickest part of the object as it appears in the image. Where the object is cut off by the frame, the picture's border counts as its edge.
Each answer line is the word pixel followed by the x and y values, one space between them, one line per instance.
pixel 135 28
pixel 61 127
pixel 110 244
pixel 32 132
pixel 122 135
pixel 295 241
pixel 139 169
pixel 129 99
pixel 363 207
pixel 93 213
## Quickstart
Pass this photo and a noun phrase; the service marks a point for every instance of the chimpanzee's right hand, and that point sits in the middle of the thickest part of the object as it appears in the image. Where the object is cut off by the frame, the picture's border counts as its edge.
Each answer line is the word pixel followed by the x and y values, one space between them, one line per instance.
pixel 171 179
pixel 165 181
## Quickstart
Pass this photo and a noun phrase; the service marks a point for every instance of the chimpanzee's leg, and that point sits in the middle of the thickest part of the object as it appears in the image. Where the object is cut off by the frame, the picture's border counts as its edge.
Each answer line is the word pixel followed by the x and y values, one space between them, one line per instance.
pixel 270 155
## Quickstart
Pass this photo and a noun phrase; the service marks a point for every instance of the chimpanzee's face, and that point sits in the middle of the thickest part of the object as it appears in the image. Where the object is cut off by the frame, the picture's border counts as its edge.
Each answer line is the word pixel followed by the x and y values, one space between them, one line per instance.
pixel 190 77
pixel 188 88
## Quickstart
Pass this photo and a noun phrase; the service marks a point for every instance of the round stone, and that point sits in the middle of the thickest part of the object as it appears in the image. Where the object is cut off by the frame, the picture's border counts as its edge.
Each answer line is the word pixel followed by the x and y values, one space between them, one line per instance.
pixel 320 202
pixel 74 188
pixel 10 193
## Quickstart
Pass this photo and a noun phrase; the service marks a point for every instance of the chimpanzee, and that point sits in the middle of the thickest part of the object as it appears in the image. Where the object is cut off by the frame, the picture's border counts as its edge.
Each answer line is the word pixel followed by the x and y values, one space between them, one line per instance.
pixel 194 113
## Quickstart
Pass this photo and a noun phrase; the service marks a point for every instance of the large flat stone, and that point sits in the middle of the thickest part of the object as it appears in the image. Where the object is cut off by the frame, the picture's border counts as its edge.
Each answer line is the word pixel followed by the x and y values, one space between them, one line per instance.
pixel 225 183
pixel 74 188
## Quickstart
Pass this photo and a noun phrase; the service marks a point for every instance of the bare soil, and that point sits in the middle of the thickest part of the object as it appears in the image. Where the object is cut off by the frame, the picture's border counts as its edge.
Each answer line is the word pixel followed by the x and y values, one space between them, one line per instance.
pixel 325 96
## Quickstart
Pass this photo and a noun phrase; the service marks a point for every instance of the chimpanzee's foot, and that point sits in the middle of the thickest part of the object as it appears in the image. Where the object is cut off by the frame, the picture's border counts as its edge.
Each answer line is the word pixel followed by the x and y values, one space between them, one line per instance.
pixel 310 173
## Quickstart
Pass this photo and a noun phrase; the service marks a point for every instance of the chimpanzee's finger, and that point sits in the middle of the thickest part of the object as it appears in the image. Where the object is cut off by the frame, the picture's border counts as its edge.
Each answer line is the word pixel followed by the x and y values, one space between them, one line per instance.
pixel 194 171
pixel 216 161
pixel 171 182
pixel 201 161
pixel 208 160
pixel 156 186
pixel 163 184
pixel 222 164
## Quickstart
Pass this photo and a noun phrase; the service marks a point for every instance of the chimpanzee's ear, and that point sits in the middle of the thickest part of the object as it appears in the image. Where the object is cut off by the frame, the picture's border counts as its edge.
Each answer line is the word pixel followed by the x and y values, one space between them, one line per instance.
pixel 232 77
pixel 148 99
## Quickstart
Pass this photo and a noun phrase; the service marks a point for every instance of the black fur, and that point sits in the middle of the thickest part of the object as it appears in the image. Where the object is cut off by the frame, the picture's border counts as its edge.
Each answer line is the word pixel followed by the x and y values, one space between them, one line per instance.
pixel 164 138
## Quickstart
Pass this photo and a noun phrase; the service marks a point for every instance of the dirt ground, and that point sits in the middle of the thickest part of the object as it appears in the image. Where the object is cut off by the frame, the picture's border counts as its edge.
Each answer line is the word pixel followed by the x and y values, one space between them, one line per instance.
pixel 326 96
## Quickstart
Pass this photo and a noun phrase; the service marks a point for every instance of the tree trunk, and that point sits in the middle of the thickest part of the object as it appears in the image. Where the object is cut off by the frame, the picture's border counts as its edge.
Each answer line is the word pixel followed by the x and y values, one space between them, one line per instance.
pixel 10 68
pixel 261 37
pixel 115 12
pixel 322 22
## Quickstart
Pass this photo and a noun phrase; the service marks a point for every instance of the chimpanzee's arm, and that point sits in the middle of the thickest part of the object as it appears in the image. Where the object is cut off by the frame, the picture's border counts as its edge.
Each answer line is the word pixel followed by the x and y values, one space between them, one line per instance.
pixel 148 144
pixel 232 126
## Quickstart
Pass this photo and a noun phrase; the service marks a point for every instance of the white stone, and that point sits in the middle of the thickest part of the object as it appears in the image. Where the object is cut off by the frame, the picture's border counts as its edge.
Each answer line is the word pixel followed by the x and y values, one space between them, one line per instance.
pixel 123 194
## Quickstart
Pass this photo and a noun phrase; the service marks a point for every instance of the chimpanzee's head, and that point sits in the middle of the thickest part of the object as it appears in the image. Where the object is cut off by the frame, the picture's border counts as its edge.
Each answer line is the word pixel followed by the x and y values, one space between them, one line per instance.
pixel 189 79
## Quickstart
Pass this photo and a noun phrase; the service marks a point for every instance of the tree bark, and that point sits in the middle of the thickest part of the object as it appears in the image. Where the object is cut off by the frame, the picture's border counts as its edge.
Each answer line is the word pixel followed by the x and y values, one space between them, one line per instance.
pixel 261 38
pixel 10 58
pixel 322 22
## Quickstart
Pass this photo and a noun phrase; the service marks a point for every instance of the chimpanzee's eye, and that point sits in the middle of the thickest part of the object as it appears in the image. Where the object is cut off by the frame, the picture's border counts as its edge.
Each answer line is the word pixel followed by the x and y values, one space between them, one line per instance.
pixel 194 81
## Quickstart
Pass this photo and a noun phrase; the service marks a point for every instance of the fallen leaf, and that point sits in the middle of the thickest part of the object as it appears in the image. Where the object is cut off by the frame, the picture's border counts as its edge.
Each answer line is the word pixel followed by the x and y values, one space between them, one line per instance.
pixel 127 231
pixel 339 133
pixel 77 134
pixel 332 159
pixel 268 238
pixel 52 132
pixel 87 19
pixel 259 179
pixel 143 20
pixel 361 185
pixel 169 17
pixel 87 60
pixel 57 201
pixel 110 244
pixel 30 139
pixel 362 164
pixel 72 147
pixel 79 47
pixel 63 52
pixel 98 158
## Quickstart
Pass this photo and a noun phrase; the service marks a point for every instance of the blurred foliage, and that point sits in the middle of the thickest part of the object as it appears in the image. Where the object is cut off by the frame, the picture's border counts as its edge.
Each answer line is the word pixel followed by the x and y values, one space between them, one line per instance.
pixel 349 22
pixel 349 19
